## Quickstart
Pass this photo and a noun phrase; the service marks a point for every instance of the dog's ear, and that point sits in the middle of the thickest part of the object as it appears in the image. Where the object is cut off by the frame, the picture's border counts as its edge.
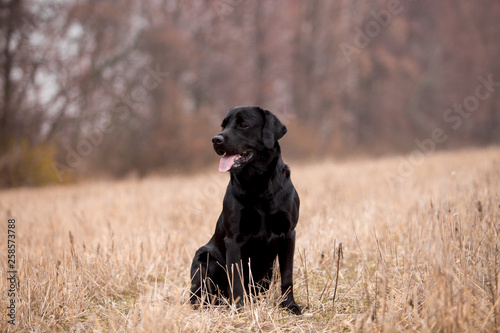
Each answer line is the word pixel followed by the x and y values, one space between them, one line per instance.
pixel 273 129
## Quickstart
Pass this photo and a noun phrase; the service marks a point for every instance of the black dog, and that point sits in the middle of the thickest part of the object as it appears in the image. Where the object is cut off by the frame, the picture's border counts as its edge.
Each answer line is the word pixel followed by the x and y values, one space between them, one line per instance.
pixel 259 214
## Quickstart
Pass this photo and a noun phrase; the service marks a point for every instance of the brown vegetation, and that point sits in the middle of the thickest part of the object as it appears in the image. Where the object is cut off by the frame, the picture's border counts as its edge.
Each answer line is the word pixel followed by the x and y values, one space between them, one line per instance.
pixel 418 255
pixel 141 86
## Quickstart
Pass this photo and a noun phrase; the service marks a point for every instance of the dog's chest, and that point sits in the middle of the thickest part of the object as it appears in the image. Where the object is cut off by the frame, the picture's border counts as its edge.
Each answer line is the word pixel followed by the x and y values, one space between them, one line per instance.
pixel 258 224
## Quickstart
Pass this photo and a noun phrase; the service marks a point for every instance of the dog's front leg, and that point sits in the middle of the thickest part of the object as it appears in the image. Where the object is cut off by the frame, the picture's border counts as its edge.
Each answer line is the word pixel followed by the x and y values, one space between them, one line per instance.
pixel 285 258
pixel 234 271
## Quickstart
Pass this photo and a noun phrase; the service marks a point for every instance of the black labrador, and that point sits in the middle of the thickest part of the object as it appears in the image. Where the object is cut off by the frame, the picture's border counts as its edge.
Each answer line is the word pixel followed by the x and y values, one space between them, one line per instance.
pixel 259 214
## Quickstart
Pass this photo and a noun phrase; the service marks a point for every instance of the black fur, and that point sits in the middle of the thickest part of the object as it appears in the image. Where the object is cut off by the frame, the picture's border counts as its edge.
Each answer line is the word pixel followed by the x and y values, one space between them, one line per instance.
pixel 259 214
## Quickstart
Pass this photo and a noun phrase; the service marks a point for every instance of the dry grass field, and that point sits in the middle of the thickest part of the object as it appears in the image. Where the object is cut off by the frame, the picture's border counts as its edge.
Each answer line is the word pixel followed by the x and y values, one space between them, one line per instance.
pixel 422 254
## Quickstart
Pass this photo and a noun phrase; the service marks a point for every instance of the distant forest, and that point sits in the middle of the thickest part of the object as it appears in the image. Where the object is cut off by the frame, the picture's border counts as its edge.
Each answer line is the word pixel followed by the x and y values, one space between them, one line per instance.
pixel 132 87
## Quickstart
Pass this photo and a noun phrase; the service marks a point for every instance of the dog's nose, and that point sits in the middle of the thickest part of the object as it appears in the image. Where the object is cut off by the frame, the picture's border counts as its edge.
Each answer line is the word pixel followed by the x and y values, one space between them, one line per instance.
pixel 218 139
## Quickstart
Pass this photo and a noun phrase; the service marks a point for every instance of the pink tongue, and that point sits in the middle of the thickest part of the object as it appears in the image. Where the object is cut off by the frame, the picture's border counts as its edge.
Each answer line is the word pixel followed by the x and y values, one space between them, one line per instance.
pixel 226 162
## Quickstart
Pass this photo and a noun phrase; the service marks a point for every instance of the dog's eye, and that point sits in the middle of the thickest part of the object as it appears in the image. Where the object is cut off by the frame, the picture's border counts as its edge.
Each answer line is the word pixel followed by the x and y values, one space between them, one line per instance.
pixel 243 125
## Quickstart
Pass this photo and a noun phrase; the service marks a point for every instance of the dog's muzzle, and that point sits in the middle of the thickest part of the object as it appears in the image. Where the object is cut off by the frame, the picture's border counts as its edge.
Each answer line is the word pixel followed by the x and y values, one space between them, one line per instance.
pixel 217 141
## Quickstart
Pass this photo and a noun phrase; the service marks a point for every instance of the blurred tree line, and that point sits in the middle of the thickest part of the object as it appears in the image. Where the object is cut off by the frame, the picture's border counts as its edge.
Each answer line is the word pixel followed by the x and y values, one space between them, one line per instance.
pixel 112 87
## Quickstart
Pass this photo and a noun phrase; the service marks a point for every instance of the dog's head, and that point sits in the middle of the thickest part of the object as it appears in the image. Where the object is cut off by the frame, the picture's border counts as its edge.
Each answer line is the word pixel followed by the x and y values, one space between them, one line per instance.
pixel 246 131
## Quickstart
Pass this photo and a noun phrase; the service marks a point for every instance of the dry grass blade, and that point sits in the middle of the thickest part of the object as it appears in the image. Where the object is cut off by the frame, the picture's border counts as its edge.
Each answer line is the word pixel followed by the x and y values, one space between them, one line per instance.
pixel 340 256
pixel 420 255
pixel 302 256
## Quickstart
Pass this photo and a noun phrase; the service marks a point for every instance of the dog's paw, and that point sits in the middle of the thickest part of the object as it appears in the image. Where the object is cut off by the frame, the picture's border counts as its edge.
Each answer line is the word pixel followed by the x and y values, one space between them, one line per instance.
pixel 292 307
